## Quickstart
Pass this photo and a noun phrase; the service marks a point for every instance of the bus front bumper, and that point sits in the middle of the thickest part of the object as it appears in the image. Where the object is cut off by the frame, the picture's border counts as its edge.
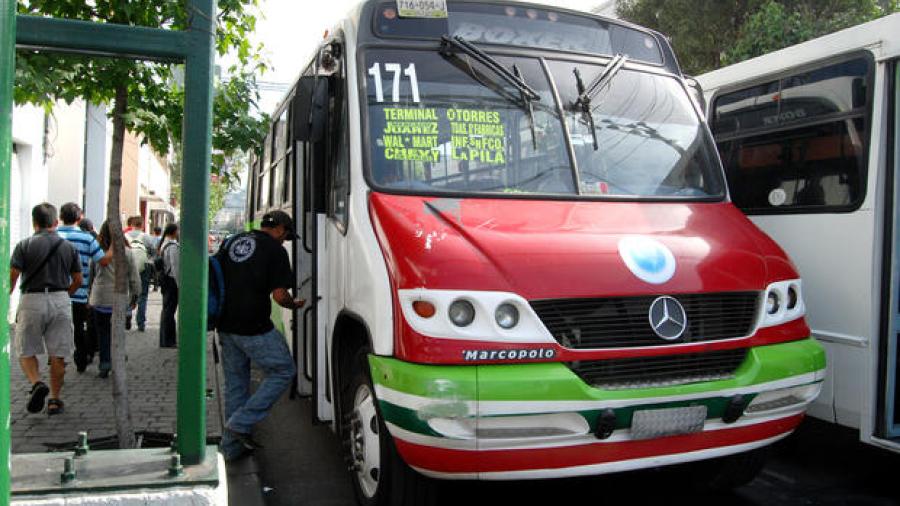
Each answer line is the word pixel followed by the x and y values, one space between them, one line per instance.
pixel 524 421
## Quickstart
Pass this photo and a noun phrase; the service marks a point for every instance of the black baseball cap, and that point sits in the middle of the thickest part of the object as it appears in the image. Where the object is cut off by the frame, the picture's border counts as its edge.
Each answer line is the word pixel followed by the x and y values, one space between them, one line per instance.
pixel 274 218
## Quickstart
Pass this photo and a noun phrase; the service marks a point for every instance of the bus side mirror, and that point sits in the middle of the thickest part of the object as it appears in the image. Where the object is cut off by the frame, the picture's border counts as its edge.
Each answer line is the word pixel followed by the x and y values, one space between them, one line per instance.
pixel 310 108
pixel 697 91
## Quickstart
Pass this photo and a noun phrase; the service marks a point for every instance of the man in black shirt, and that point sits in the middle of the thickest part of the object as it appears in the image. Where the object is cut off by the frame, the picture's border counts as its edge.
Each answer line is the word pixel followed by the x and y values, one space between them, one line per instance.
pixel 51 271
pixel 256 269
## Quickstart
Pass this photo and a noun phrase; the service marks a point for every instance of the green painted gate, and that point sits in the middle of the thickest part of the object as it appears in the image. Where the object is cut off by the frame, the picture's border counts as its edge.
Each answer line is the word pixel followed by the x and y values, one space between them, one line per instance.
pixel 194 47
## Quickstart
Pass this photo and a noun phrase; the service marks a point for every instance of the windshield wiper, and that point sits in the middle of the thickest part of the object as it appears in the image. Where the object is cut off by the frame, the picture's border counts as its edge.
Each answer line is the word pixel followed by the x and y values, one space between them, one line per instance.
pixel 587 93
pixel 527 103
pixel 514 78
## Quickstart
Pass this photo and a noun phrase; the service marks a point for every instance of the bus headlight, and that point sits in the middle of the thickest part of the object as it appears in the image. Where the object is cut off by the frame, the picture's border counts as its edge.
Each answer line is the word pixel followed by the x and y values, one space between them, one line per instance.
pixel 772 304
pixel 461 312
pixel 506 316
pixel 474 315
pixel 783 303
pixel 793 297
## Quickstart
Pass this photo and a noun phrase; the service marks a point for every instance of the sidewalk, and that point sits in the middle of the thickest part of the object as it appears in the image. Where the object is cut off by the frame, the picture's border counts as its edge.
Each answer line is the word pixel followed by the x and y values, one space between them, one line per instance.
pixel 152 382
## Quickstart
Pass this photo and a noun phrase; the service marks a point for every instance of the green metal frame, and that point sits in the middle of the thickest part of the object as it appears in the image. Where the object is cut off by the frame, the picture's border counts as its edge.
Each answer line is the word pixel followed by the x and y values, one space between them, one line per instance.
pixel 194 47
pixel 7 71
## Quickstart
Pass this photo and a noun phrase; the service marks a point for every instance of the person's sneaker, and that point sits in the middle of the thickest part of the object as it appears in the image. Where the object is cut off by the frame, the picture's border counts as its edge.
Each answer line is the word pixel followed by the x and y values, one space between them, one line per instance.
pixel 141 329
pixel 246 440
pixel 39 392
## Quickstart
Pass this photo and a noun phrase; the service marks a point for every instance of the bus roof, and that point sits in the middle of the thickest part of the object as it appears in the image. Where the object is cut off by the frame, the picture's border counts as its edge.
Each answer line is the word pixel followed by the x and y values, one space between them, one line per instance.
pixel 364 10
pixel 881 37
pixel 361 15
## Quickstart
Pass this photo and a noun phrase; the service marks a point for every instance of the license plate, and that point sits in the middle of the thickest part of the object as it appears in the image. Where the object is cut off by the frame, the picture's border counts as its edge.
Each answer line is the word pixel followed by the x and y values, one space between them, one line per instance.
pixel 652 423
pixel 422 8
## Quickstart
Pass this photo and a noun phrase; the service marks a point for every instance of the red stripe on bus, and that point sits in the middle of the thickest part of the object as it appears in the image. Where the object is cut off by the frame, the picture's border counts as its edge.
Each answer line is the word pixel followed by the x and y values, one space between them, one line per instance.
pixel 445 460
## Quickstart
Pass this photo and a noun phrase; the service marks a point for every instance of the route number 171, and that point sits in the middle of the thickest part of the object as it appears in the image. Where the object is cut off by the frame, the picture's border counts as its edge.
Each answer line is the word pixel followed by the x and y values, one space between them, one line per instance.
pixel 395 68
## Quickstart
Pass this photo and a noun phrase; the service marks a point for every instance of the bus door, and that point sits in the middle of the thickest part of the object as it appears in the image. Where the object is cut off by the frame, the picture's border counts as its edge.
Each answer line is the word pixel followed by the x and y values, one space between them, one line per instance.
pixel 310 113
pixel 302 322
pixel 889 404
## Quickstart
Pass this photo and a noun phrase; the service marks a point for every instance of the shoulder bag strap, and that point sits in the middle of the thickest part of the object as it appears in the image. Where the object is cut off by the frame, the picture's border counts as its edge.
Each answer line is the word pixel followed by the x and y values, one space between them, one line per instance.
pixel 30 275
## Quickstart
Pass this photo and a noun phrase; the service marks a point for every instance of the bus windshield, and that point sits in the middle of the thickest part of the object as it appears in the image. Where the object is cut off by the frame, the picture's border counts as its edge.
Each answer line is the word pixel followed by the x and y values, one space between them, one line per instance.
pixel 447 123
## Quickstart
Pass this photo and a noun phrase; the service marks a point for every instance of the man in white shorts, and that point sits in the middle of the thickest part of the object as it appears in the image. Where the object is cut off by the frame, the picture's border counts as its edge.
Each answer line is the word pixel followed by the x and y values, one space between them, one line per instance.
pixel 51 271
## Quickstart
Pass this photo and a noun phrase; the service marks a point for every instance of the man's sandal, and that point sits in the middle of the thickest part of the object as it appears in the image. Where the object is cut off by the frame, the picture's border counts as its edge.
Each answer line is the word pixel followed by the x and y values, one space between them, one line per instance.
pixel 39 392
pixel 55 407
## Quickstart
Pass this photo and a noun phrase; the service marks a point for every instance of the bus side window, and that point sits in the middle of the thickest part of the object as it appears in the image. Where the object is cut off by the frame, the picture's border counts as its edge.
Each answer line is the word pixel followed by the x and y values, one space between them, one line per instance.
pixel 798 144
pixel 279 151
pixel 340 171
pixel 263 200
pixel 251 183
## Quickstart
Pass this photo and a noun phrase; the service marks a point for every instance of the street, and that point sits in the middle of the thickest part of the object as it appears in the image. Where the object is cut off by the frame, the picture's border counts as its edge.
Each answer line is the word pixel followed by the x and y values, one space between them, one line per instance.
pixel 818 465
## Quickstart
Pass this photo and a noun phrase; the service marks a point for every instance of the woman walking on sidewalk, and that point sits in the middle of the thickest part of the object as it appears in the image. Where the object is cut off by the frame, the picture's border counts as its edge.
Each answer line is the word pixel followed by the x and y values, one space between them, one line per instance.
pixel 103 295
pixel 169 255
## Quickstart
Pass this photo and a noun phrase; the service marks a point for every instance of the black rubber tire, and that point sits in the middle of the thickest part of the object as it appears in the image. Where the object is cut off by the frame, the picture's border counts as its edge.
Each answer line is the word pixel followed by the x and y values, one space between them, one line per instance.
pixel 398 484
pixel 728 473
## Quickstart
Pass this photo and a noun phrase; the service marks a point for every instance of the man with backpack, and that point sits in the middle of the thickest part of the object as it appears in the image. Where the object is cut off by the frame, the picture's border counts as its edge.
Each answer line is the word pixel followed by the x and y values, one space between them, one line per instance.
pixel 142 248
pixel 256 270
pixel 51 273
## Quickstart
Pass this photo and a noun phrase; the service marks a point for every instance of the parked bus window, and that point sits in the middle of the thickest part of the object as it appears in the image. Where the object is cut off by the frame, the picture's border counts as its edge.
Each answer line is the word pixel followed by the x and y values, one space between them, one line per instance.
pixel 797 144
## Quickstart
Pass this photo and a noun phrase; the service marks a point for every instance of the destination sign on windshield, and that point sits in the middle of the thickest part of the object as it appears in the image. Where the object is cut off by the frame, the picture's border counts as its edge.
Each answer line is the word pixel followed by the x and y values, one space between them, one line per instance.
pixel 520 26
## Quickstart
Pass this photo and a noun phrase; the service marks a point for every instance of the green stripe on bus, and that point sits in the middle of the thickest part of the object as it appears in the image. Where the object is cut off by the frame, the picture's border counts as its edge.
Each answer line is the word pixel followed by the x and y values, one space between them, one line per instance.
pixel 763 364
pixel 405 418
pixel 435 381
pixel 556 382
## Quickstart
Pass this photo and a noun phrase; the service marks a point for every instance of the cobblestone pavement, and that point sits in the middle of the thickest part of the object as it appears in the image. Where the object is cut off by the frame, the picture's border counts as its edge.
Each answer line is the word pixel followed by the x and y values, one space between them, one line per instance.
pixel 152 381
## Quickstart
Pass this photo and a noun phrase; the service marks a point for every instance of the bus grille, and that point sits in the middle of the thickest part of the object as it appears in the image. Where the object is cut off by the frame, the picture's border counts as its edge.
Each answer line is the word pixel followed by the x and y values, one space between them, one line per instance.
pixel 624 322
pixel 665 370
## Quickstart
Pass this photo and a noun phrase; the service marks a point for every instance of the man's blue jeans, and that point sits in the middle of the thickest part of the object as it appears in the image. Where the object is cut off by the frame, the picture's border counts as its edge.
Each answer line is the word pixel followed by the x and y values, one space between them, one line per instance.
pixel 268 352
pixel 142 299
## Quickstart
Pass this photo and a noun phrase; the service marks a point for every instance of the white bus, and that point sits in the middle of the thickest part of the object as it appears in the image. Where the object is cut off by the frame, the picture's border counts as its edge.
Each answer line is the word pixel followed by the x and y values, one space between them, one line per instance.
pixel 808 138
pixel 521 256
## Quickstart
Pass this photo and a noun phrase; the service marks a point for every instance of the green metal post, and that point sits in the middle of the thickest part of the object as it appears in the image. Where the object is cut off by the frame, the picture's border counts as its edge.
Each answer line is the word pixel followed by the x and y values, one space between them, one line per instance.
pixel 7 68
pixel 194 231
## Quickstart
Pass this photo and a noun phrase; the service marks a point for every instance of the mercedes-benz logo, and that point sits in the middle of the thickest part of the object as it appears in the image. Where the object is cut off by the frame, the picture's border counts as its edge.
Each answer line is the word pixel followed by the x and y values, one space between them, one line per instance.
pixel 667 318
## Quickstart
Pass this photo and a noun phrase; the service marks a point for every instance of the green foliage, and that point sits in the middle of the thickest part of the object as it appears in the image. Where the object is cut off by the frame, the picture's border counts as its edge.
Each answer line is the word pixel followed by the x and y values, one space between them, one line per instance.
pixel 707 34
pixel 155 98
pixel 218 189
pixel 699 29
pixel 776 25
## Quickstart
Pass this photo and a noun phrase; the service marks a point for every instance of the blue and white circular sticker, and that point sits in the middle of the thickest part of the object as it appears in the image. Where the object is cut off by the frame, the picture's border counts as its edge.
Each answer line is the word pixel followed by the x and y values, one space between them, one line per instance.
pixel 648 259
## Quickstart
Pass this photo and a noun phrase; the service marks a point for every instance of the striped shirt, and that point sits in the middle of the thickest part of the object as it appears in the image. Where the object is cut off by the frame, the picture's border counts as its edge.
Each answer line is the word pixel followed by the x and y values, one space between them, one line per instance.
pixel 88 249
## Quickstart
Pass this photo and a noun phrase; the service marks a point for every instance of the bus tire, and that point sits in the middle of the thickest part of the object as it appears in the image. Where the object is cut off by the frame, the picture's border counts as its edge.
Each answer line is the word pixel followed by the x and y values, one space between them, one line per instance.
pixel 380 476
pixel 728 473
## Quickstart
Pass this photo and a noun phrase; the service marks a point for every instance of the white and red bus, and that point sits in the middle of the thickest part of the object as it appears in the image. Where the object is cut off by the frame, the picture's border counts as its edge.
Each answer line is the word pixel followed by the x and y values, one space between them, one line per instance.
pixel 522 255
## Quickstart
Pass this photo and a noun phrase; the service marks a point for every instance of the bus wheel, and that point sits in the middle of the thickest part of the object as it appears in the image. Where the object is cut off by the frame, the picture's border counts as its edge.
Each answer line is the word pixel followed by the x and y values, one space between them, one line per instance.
pixel 380 476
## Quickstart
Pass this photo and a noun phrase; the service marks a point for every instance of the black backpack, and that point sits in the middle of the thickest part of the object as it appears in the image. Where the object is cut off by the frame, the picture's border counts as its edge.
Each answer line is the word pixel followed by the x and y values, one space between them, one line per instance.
pixel 158 262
